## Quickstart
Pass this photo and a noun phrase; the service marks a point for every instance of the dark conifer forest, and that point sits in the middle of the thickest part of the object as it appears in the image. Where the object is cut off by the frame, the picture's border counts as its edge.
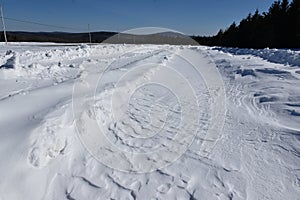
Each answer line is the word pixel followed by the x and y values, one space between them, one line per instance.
pixel 277 28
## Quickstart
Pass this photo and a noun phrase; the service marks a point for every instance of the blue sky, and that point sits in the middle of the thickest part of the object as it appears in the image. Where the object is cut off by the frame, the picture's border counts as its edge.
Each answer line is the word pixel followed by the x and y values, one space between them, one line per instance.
pixel 198 17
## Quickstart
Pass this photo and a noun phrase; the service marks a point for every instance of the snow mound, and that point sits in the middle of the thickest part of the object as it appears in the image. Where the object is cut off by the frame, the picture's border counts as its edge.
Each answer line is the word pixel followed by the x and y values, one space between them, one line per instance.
pixel 50 139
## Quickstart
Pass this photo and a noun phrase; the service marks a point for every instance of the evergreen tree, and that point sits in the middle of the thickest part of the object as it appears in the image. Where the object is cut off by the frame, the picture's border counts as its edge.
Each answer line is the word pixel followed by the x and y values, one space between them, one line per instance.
pixel 279 27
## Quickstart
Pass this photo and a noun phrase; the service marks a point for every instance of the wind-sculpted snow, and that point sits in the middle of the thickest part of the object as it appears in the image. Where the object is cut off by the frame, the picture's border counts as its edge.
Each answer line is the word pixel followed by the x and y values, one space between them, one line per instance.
pixel 158 132
pixel 147 122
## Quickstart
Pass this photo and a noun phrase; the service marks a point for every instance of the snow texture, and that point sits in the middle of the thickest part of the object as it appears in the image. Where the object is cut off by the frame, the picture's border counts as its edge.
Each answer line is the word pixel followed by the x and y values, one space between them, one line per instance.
pixel 42 155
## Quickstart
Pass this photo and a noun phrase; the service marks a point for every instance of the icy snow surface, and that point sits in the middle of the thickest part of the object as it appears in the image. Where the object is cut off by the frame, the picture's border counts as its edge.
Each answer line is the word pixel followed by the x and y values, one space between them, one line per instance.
pixel 161 144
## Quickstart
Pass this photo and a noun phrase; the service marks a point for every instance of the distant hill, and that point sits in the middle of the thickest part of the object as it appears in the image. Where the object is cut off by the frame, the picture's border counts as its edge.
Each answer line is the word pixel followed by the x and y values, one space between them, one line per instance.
pixel 98 37
pixel 60 37
pixel 173 38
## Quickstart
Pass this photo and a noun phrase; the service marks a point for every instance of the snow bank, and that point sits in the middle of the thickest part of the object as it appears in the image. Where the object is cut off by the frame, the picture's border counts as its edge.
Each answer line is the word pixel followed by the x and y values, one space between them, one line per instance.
pixel 281 56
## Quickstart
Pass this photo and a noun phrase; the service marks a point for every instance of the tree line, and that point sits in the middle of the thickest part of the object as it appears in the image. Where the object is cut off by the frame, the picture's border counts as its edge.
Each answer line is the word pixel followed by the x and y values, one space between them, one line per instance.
pixel 277 28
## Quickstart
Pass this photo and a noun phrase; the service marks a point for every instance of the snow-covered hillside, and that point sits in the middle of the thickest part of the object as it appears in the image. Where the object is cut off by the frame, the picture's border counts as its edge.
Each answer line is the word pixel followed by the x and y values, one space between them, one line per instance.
pixel 148 122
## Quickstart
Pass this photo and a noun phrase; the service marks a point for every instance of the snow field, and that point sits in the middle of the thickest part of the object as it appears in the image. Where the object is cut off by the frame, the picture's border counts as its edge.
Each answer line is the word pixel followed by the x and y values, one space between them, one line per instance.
pixel 43 155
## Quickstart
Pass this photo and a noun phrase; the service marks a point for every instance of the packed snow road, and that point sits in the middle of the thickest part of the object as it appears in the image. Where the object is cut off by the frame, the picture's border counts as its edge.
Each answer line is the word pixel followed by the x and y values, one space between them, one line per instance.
pixel 148 122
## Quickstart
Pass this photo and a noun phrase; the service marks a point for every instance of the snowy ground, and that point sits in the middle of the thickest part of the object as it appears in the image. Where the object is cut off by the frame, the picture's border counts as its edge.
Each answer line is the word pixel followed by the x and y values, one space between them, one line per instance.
pixel 51 95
